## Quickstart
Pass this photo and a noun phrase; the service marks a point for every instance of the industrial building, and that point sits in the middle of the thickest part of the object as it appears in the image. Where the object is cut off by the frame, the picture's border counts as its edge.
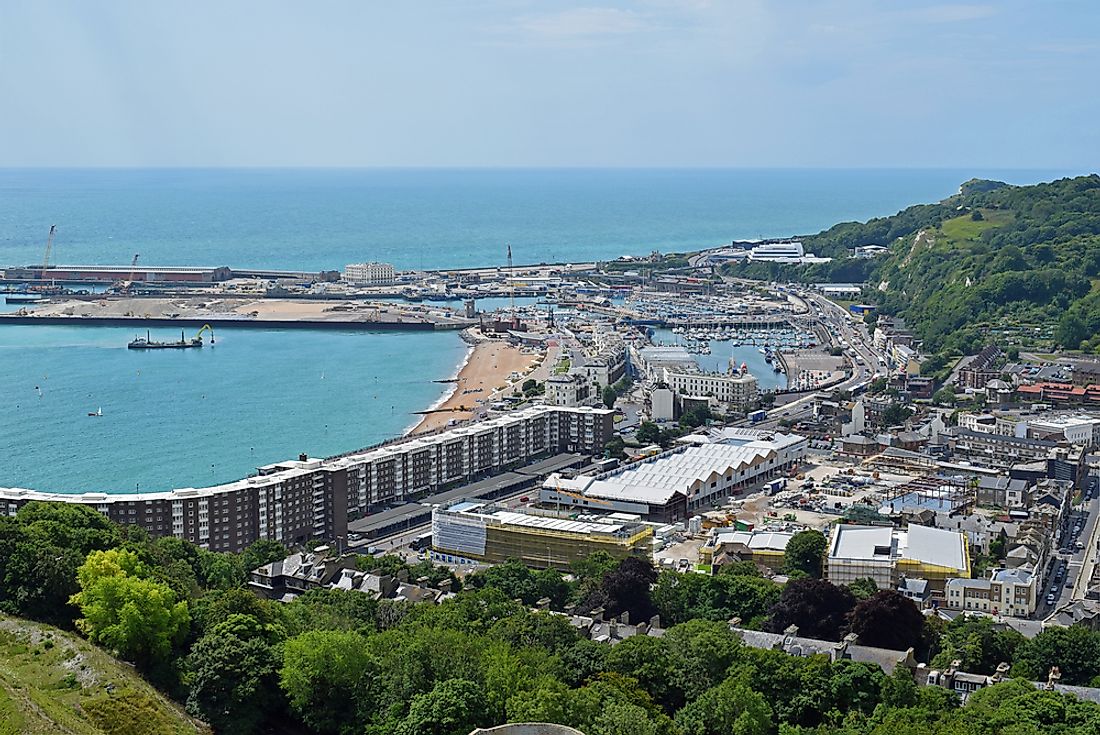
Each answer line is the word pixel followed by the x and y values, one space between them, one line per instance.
pixel 112 273
pixel 885 554
pixel 665 487
pixel 472 532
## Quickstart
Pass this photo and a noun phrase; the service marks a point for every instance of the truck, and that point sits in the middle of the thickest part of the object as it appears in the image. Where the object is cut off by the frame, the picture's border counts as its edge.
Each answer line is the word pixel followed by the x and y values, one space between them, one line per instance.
pixel 757 416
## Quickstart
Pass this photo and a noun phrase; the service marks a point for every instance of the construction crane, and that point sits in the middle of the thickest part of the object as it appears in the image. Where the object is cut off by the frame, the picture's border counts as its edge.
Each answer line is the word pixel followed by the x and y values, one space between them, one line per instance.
pixel 511 284
pixel 128 285
pixel 49 247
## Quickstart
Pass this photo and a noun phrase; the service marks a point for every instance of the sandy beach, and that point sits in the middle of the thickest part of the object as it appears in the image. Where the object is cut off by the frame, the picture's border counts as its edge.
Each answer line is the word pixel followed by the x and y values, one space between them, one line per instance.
pixel 486 370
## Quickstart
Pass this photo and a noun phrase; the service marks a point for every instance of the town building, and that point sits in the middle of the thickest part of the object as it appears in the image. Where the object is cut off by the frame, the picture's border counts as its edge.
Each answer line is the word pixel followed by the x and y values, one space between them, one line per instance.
pixel 1008 592
pixel 737 391
pixel 568 390
pixel 980 369
pixel 885 554
pixel 369 274
pixel 473 532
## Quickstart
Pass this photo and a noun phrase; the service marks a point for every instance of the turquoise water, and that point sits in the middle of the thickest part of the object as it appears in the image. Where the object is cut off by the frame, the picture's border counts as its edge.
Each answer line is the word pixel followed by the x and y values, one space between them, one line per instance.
pixel 189 418
pixel 721 352
pixel 313 219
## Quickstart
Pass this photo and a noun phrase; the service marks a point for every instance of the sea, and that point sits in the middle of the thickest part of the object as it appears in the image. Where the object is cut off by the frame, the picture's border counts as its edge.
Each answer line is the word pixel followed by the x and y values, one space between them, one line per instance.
pixel 192 418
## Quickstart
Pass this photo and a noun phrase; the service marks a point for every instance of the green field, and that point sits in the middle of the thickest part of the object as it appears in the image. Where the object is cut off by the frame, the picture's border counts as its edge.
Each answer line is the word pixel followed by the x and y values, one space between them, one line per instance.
pixel 964 229
pixel 54 682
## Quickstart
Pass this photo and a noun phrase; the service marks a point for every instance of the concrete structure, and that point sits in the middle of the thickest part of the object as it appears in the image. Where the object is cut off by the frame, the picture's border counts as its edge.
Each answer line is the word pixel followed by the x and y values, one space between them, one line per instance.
pixel 662 404
pixel 1008 592
pixel 469 532
pixel 885 554
pixel 369 274
pixel 664 487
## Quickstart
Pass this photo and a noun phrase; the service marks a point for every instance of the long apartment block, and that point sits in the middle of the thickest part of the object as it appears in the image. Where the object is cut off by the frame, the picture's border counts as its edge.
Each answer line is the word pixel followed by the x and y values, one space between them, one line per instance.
pixel 298 500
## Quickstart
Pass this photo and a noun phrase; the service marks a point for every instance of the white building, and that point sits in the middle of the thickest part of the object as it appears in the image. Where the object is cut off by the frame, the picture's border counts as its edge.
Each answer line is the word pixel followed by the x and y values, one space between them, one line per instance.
pixel 885 554
pixel 1080 429
pixel 369 274
pixel 703 474
pixel 568 390
pixel 737 390
pixel 1008 592
pixel 778 252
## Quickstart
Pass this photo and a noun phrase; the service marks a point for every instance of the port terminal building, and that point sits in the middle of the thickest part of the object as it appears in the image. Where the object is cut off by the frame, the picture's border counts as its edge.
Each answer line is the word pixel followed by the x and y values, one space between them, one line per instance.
pixel 298 500
pixel 473 532
pixel 667 486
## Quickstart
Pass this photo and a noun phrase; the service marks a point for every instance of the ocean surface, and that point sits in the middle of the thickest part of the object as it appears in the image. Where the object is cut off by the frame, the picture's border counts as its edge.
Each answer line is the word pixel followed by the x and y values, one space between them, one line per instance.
pixel 195 417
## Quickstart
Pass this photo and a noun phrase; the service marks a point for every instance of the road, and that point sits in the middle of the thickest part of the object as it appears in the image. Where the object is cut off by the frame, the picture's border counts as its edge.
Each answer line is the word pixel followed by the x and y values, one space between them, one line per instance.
pixel 1068 573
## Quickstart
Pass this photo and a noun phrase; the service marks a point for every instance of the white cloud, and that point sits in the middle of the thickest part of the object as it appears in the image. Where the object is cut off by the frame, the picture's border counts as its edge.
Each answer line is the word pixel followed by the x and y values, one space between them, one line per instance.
pixel 582 24
pixel 953 13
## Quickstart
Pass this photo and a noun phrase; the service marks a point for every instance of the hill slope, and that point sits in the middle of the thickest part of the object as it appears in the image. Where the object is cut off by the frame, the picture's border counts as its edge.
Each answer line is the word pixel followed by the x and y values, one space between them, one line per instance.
pixel 1023 261
pixel 53 683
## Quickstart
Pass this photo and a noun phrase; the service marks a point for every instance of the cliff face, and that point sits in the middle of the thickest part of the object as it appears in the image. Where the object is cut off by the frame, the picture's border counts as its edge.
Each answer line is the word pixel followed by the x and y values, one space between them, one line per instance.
pixel 52 682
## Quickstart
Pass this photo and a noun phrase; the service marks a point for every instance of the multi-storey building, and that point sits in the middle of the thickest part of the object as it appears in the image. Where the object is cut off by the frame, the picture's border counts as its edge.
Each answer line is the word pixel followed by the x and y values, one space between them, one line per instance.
pixel 369 274
pixel 736 390
pixel 289 502
pixel 293 502
pixel 1006 592
pixel 886 554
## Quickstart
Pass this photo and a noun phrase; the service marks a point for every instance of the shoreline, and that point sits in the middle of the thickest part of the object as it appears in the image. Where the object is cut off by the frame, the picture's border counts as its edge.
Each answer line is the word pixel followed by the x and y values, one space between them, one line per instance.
pixel 438 403
pixel 483 374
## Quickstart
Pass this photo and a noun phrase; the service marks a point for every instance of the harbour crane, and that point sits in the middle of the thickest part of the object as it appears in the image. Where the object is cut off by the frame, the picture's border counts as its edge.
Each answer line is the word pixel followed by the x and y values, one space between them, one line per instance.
pixel 49 247
pixel 133 266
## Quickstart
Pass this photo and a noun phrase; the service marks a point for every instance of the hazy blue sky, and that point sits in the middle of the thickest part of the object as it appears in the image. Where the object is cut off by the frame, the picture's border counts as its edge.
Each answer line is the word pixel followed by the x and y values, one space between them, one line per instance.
pixel 514 83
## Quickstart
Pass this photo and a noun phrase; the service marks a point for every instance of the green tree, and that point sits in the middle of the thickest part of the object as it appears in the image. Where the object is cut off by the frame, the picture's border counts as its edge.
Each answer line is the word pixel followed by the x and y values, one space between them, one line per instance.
pixel 124 611
pixel 1074 650
pixel 329 678
pixel 452 707
pixel 730 708
pixel 262 551
pixel 609 396
pixel 863 588
pixel 615 448
pixel 805 552
pixel 896 414
pixel 648 433
pixel 231 677
pixel 978 644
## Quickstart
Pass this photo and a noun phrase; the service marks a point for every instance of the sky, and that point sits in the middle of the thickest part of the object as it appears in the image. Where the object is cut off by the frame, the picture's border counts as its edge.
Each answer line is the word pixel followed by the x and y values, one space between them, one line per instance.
pixel 679 83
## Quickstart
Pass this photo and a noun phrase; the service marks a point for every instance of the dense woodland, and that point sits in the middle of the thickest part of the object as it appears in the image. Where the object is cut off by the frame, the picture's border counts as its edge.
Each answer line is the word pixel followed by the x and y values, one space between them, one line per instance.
pixel 343 663
pixel 991 257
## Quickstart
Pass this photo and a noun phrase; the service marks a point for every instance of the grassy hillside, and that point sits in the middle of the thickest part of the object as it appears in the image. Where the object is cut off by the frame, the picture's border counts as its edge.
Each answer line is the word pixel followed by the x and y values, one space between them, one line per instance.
pixel 1017 264
pixel 51 683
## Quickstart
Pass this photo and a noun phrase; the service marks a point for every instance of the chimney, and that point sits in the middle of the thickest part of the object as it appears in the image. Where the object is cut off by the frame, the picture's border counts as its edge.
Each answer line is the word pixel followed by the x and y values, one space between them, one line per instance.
pixel 1001 674
pixel 445 586
pixel 571 608
pixel 613 629
pixel 791 631
pixel 422 581
pixel 543 603
pixel 303 457
pixel 642 628
pixel 625 618
pixel 597 614
pixel 655 622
